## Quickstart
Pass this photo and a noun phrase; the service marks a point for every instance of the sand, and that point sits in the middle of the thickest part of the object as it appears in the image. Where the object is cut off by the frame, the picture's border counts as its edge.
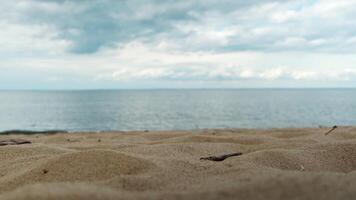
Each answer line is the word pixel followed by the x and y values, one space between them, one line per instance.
pixel 276 164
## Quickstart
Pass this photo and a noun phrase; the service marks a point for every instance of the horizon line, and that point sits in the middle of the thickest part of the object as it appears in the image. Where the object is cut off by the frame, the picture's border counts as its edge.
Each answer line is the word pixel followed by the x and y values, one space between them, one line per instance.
pixel 163 88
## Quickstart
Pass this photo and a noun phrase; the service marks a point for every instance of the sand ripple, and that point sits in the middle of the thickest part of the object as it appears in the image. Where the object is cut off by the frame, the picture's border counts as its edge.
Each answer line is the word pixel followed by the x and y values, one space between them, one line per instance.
pixel 276 164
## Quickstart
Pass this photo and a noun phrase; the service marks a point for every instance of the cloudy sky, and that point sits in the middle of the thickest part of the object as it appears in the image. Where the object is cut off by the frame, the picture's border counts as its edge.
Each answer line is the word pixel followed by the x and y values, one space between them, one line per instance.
pixel 91 44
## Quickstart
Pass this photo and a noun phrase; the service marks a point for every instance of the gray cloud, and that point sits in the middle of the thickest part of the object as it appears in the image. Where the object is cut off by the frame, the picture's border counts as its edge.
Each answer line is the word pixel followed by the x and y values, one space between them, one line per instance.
pixel 91 25
pixel 197 25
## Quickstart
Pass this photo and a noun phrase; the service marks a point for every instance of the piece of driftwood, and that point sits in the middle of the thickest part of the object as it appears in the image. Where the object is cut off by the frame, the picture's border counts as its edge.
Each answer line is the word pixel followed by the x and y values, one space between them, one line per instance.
pixel 332 129
pixel 14 142
pixel 220 157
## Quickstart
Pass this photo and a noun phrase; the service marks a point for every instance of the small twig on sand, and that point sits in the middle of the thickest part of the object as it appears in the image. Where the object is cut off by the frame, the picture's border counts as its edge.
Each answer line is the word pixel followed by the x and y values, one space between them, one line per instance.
pixel 220 157
pixel 14 142
pixel 332 129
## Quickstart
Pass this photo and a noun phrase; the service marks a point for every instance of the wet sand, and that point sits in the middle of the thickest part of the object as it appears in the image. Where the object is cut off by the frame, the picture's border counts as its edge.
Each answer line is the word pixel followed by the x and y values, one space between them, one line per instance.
pixel 275 164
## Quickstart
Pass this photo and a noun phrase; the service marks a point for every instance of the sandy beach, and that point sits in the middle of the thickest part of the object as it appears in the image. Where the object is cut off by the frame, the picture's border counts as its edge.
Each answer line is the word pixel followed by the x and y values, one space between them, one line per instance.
pixel 275 164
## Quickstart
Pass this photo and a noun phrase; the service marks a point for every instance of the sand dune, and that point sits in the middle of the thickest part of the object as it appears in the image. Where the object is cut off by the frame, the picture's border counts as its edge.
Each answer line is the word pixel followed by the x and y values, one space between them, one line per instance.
pixel 276 164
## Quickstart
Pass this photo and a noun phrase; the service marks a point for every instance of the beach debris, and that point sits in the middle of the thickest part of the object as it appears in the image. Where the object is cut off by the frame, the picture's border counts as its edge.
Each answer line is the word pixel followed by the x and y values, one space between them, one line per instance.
pixel 332 129
pixel 220 157
pixel 72 140
pixel 45 171
pixel 99 140
pixel 302 168
pixel 14 142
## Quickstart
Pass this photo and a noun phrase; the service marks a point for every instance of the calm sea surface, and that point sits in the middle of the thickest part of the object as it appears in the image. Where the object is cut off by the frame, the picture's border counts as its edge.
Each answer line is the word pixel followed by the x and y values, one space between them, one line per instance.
pixel 176 109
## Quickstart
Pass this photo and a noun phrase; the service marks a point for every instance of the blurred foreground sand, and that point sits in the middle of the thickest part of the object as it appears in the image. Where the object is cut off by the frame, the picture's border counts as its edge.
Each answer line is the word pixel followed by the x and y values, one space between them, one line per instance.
pixel 276 164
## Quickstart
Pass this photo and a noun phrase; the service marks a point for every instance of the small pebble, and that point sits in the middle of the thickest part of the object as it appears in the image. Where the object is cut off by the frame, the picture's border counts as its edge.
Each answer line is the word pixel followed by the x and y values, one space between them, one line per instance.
pixel 45 171
pixel 302 168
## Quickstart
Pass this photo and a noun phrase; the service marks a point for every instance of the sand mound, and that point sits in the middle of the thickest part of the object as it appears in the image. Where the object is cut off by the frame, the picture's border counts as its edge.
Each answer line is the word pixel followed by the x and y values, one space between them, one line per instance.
pixel 281 186
pixel 279 159
pixel 10 153
pixel 93 165
pixel 246 140
pixel 330 157
pixel 179 151
pixel 292 133
pixel 338 157
pixel 275 164
pixel 63 191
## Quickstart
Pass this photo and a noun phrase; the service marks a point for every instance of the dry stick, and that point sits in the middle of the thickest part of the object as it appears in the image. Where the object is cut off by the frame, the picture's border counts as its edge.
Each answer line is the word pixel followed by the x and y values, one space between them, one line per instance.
pixel 221 157
pixel 332 129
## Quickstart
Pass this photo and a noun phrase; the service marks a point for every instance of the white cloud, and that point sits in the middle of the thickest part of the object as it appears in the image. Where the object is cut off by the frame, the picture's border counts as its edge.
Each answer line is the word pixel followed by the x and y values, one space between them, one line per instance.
pixel 16 39
pixel 187 42
pixel 155 63
pixel 284 16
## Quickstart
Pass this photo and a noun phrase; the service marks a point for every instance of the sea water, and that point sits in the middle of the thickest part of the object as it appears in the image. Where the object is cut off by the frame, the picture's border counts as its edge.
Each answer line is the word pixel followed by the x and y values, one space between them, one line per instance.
pixel 104 110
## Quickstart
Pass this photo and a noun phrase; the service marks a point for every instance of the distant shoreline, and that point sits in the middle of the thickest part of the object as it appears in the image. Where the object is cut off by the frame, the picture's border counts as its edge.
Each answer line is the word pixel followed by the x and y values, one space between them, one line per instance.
pixel 174 89
pixel 32 132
